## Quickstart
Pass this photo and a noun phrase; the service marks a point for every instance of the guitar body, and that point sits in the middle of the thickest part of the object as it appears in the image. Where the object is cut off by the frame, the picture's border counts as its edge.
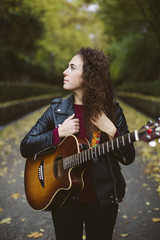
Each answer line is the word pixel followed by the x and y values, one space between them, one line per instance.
pixel 47 184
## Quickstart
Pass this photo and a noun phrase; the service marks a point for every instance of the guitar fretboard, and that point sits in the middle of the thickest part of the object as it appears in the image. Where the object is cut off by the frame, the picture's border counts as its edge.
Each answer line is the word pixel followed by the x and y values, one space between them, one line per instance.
pixel 91 153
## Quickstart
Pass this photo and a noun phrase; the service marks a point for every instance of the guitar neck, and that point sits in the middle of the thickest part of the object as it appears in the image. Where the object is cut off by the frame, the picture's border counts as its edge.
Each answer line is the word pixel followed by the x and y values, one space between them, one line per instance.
pixel 94 152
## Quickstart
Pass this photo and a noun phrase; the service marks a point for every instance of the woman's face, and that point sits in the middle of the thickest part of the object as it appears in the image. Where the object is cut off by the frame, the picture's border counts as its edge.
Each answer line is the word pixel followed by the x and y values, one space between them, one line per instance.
pixel 73 74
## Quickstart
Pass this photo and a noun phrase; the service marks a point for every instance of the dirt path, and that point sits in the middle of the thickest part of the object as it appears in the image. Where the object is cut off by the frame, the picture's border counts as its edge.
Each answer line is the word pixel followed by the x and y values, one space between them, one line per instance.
pixel 138 212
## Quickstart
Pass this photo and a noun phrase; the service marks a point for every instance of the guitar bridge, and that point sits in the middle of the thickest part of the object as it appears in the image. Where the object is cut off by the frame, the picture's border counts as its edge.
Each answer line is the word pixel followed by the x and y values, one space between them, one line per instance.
pixel 41 173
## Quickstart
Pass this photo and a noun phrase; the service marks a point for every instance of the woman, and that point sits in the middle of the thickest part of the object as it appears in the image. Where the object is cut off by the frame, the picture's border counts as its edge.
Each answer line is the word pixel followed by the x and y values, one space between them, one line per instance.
pixel 90 112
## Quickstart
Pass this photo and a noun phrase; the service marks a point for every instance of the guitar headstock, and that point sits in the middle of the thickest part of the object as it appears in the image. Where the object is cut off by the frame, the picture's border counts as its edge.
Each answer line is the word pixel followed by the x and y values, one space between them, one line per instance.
pixel 149 132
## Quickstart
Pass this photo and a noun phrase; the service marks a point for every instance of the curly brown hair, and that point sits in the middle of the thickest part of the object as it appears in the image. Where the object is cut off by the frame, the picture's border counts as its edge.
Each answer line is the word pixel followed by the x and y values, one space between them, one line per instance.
pixel 98 92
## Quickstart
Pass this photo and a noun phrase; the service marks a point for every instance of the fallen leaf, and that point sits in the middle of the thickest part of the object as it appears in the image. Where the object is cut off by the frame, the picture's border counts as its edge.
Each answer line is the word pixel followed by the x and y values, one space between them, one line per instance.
pixel 134 217
pixel 12 181
pixel 35 235
pixel 124 234
pixel 155 219
pixel 158 189
pixel 145 185
pixel 124 216
pixel 148 203
pixel 6 220
pixel 42 230
pixel 156 209
pixel 15 196
pixel 23 219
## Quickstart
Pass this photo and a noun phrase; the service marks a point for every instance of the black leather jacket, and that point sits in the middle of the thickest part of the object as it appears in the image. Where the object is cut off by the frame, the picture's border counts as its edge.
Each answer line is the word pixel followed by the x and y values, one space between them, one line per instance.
pixel 106 174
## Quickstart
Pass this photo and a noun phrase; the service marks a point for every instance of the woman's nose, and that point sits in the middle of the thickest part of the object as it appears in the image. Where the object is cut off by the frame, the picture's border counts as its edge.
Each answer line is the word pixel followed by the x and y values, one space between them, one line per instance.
pixel 65 72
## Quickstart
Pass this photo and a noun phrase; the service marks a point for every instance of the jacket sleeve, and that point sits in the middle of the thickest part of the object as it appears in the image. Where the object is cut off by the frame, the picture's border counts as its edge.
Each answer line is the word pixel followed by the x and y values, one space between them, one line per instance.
pixel 125 154
pixel 40 137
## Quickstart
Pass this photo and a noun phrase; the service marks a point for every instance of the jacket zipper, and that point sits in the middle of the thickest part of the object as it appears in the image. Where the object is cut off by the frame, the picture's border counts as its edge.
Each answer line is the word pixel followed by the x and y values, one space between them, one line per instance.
pixel 116 197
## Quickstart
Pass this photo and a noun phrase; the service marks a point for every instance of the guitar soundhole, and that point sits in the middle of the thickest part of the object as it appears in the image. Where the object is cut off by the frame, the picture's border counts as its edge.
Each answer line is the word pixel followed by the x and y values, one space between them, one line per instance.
pixel 58 167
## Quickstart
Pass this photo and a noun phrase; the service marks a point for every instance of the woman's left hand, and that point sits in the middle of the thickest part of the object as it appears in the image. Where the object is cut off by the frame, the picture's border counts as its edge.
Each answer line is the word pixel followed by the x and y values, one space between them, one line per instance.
pixel 105 125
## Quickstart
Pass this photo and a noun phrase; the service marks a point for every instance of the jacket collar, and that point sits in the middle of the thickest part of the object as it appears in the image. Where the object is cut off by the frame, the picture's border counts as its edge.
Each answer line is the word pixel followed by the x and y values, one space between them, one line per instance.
pixel 65 106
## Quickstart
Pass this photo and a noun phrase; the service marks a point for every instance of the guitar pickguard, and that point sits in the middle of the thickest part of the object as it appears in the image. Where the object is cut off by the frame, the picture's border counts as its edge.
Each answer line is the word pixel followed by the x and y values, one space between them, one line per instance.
pixel 41 173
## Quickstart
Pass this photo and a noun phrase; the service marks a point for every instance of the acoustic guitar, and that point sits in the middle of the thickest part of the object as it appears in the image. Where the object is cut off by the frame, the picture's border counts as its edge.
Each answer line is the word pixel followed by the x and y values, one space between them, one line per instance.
pixel 52 177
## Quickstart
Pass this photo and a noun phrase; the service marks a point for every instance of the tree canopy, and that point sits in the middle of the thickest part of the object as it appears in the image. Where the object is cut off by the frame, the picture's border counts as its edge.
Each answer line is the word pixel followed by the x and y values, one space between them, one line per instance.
pixel 44 35
pixel 38 38
pixel 133 30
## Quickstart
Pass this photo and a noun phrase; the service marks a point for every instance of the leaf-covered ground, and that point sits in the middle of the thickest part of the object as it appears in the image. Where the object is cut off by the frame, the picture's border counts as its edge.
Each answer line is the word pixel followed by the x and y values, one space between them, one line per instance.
pixel 139 214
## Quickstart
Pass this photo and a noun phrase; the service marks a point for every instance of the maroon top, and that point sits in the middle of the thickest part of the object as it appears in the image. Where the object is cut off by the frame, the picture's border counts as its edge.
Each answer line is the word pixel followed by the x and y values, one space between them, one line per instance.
pixel 88 193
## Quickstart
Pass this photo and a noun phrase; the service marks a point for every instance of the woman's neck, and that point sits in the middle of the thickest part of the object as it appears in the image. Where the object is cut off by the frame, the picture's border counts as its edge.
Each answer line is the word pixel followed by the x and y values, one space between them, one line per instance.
pixel 78 98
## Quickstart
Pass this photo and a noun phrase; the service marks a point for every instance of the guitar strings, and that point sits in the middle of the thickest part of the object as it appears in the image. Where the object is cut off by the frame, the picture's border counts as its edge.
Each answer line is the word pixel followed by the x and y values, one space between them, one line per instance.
pixel 78 158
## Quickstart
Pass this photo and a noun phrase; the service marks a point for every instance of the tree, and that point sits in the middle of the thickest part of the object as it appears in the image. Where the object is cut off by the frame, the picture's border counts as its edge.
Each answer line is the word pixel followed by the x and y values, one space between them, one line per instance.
pixel 133 30
pixel 20 29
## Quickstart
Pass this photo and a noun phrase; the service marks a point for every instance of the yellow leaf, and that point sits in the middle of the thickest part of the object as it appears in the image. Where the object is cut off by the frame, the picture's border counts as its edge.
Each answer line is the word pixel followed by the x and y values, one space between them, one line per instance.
pixel 155 219
pixel 147 203
pixel 158 189
pixel 124 234
pixel 1 210
pixel 23 219
pixel 35 235
pixel 6 220
pixel 15 196
pixel 134 217
pixel 156 209
pixel 124 216
pixel 145 185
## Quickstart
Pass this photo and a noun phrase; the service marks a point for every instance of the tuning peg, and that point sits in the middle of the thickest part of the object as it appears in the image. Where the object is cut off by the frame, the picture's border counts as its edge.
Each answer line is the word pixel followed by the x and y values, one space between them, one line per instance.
pixel 150 121
pixel 152 144
pixel 159 140
pixel 148 136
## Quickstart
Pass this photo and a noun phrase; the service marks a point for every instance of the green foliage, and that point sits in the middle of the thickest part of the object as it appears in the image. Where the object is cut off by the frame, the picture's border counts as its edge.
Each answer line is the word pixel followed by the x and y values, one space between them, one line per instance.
pixel 68 26
pixel 133 30
pixel 20 31
pixel 15 91
pixel 43 35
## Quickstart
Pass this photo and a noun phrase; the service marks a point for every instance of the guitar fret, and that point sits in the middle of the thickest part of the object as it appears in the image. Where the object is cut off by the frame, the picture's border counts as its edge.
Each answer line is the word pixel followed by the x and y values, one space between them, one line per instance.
pixel 91 152
pixel 117 142
pixel 129 138
pixel 123 142
pixel 107 146
pixel 112 145
pixel 99 150
pixel 83 156
pixel 95 152
pixel 89 156
pixel 103 150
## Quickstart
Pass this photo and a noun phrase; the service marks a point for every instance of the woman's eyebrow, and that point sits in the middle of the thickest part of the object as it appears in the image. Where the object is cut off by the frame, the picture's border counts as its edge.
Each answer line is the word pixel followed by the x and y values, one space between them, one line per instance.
pixel 72 65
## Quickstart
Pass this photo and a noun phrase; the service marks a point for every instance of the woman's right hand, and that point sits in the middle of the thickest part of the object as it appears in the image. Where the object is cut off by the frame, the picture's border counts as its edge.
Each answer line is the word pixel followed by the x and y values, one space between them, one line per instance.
pixel 70 126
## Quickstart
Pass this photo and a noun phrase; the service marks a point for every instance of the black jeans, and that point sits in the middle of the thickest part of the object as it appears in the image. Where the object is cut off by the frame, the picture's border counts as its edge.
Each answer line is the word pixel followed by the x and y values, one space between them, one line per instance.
pixel 99 221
